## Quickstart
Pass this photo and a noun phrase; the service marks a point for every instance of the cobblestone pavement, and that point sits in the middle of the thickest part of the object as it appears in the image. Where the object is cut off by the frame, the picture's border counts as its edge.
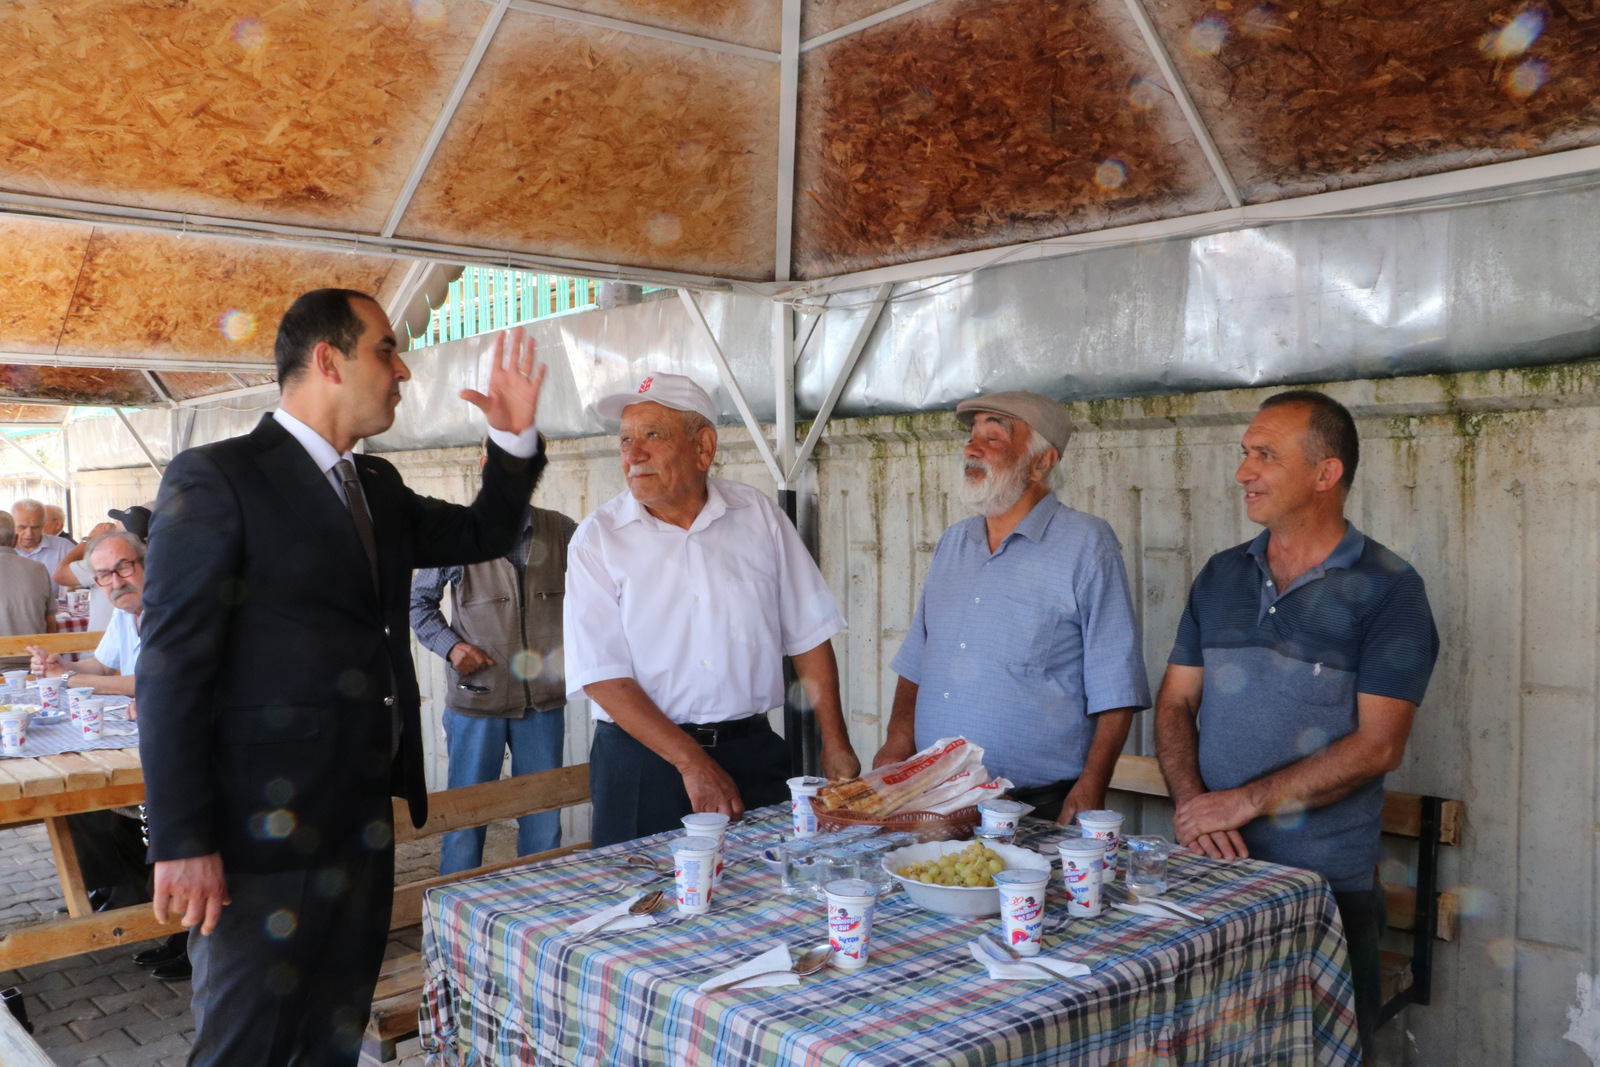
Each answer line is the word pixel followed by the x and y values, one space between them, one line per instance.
pixel 99 1009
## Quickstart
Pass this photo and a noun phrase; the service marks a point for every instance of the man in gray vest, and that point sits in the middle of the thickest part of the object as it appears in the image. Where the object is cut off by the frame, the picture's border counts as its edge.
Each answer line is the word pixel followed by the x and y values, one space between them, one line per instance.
pixel 503 656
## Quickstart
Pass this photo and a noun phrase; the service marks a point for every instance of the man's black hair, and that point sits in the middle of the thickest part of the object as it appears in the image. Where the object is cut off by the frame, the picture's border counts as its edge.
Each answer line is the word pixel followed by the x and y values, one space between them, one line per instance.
pixel 1331 431
pixel 320 315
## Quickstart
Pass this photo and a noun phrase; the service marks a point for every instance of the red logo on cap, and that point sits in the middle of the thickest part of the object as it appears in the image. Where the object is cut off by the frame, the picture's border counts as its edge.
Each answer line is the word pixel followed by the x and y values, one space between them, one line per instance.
pixel 644 386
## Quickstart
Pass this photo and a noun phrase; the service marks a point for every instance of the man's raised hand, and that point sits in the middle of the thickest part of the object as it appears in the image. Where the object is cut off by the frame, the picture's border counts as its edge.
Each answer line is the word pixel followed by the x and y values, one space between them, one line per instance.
pixel 515 379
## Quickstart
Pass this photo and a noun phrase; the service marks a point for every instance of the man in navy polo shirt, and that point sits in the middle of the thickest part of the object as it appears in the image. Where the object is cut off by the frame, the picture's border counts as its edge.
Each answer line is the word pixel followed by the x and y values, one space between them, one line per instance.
pixel 1299 662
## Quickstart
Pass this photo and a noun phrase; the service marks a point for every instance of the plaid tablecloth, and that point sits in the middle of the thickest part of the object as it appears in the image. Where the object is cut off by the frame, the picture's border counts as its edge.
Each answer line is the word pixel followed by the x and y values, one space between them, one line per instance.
pixel 1265 982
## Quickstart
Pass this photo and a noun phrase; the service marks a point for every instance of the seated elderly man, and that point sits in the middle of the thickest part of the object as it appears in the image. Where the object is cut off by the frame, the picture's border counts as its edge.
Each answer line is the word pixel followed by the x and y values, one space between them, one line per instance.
pixel 32 541
pixel 683 596
pixel 1024 640
pixel 26 603
pixel 118 560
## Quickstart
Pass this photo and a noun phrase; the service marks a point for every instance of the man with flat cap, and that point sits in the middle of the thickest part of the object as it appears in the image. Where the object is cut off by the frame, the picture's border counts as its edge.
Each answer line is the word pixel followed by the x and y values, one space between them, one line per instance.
pixel 683 596
pixel 1025 640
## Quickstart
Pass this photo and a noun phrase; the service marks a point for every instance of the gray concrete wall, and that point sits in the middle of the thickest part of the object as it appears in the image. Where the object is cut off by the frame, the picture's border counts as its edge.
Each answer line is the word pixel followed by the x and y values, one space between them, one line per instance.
pixel 1489 483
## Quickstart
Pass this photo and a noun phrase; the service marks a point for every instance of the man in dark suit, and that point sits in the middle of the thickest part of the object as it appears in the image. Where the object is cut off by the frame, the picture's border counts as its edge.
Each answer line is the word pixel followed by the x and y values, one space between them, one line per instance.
pixel 279 708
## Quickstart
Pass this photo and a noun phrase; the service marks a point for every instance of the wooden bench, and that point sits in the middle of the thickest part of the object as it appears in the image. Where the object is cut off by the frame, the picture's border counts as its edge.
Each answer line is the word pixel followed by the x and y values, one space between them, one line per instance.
pixel 1431 822
pixel 60 644
pixel 17 1047
pixel 398 996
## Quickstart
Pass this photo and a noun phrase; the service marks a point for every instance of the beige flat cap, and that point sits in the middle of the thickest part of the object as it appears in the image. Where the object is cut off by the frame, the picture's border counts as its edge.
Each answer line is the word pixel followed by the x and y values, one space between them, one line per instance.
pixel 1044 416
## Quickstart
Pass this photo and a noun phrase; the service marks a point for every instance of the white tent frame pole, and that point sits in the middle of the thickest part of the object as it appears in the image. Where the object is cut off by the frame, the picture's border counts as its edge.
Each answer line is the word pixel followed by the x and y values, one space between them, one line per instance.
pixel 788 116
pixel 31 458
pixel 229 394
pixel 155 383
pixel 138 440
pixel 1180 93
pixel 605 22
pixel 448 112
pixel 842 378
pixel 1402 195
pixel 783 392
pixel 801 342
pixel 732 385
pixel 864 24
pixel 204 366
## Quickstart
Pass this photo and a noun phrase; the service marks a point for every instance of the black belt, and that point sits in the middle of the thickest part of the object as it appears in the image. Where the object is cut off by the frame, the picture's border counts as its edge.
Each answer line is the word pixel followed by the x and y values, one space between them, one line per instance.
pixel 708 734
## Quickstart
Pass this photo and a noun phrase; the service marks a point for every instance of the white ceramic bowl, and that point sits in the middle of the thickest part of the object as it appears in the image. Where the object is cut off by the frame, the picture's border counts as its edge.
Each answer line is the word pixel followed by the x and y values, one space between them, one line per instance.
pixel 956 899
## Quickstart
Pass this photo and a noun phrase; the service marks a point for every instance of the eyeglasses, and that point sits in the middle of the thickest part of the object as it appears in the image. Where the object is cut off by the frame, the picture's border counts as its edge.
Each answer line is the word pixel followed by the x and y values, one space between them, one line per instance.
pixel 123 569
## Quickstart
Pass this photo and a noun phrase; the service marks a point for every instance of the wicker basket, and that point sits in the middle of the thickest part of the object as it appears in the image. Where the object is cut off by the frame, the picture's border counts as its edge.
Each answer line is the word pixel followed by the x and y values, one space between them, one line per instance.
pixel 927 825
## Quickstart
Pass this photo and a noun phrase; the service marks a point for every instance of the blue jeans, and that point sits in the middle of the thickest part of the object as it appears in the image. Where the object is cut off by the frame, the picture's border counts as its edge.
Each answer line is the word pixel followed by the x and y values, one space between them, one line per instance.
pixel 477 746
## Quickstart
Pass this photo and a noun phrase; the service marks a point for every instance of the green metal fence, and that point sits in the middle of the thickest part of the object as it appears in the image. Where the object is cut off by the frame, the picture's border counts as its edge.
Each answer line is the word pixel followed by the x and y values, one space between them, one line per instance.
pixel 484 299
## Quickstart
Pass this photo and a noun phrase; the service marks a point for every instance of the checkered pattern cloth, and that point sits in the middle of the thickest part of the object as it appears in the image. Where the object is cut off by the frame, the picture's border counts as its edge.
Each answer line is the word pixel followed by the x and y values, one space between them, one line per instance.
pixel 1265 983
pixel 115 732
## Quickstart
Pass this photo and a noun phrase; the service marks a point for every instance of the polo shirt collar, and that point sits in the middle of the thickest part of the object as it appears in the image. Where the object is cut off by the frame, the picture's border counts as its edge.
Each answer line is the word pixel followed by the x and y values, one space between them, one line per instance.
pixel 1345 554
pixel 1033 524
pixel 716 505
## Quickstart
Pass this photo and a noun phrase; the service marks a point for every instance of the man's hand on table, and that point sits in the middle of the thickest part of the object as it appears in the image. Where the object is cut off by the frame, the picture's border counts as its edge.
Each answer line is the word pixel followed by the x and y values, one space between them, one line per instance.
pixel 1211 821
pixel 468 659
pixel 839 761
pixel 193 888
pixel 711 790
pixel 1080 798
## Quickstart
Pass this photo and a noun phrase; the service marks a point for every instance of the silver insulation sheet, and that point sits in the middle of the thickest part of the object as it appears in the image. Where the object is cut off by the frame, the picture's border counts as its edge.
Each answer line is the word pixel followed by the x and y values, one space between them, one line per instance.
pixel 1510 282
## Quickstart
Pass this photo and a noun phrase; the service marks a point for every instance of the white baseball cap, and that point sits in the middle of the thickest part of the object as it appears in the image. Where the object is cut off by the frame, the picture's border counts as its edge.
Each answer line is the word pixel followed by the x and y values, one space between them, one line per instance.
pixel 668 390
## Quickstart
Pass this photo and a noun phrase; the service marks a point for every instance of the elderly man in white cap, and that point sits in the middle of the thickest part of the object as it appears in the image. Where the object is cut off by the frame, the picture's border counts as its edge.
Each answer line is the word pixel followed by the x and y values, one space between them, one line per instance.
pixel 683 596
pixel 1025 640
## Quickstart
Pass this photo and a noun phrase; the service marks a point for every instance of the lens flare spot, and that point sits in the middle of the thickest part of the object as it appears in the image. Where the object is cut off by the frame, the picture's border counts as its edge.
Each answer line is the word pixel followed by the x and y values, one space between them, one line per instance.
pixel 1207 36
pixel 1527 78
pixel 664 230
pixel 1289 815
pixel 1261 20
pixel 428 12
pixel 527 664
pixel 249 33
pixel 237 325
pixel 1112 174
pixel 1230 679
pixel 1143 94
pixel 272 825
pixel 1311 739
pixel 1503 953
pixel 1515 37
pixel 1474 901
pixel 1394 872
pixel 377 835
pixel 280 924
pixel 279 791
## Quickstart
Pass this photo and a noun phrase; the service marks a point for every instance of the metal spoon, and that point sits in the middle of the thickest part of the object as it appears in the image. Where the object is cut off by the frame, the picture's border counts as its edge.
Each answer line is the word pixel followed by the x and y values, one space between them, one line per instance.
pixel 810 962
pixel 643 863
pixel 1011 955
pixel 643 906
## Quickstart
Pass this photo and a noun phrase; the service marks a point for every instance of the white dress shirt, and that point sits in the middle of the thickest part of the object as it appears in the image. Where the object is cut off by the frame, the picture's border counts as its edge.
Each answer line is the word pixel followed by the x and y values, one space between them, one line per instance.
pixel 326 457
pixel 700 618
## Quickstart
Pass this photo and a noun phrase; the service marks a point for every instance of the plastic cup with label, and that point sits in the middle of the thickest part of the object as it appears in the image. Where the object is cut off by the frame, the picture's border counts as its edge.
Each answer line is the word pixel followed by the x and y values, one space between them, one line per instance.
pixel 77 696
pixel 1022 908
pixel 1002 815
pixel 1082 862
pixel 1147 864
pixel 88 714
pixel 801 790
pixel 713 825
pixel 16 679
pixel 1107 827
pixel 850 903
pixel 52 696
pixel 694 862
pixel 13 730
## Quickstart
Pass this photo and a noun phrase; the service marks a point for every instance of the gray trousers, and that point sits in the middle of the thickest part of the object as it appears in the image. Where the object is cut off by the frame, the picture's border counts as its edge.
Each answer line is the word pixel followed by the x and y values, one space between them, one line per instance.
pixel 286 978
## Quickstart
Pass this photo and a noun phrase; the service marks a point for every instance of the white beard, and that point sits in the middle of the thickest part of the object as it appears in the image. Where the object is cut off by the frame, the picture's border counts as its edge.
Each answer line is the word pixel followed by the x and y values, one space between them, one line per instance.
pixel 997 491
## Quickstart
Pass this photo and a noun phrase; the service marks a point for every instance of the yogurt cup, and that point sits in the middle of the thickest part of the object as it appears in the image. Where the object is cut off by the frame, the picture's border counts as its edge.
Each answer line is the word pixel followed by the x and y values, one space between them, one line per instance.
pixel 712 825
pixel 1022 908
pixel 1107 826
pixel 52 696
pixel 694 862
pixel 77 696
pixel 16 679
pixel 801 790
pixel 850 904
pixel 88 715
pixel 13 730
pixel 1082 863
pixel 1002 814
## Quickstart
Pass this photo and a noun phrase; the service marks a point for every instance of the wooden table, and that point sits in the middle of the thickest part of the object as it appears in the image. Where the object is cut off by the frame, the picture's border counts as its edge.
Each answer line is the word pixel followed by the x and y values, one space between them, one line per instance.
pixel 47 789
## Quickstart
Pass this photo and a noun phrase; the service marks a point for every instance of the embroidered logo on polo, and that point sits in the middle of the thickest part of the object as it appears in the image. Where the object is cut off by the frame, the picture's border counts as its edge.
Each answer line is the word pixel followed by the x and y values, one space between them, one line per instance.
pixel 644 386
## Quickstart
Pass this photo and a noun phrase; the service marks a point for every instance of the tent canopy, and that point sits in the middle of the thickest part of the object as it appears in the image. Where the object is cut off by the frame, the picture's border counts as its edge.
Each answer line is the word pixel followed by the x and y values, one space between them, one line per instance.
pixel 173 173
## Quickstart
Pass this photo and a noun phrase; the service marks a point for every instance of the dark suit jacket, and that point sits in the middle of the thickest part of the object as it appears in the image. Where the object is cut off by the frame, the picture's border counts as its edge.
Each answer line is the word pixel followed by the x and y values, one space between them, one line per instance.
pixel 269 665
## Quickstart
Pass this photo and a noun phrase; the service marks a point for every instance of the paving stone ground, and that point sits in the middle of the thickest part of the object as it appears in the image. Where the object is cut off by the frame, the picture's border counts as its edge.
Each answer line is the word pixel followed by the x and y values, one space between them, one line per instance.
pixel 99 1009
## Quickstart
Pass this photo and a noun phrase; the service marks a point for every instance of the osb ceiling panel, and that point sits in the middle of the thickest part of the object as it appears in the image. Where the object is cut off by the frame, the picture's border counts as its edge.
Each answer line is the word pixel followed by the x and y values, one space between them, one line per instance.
pixel 951 129
pixel 41 413
pixel 818 17
pixel 39 264
pixel 753 23
pixel 291 112
pixel 186 384
pixel 1311 94
pixel 610 147
pixel 159 294
pixel 78 385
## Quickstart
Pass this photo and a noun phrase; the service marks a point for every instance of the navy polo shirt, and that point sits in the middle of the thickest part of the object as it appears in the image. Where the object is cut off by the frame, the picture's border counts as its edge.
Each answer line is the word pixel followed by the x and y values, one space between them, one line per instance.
pixel 1282 670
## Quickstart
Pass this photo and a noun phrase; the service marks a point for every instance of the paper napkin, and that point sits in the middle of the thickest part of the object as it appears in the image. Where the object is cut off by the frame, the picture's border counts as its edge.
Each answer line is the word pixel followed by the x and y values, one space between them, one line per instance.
pixel 626 922
pixel 775 959
pixel 1026 970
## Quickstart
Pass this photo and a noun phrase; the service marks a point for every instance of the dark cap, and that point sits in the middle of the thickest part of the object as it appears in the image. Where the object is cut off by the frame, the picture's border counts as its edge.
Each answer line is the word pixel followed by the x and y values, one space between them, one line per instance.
pixel 136 520
pixel 1044 416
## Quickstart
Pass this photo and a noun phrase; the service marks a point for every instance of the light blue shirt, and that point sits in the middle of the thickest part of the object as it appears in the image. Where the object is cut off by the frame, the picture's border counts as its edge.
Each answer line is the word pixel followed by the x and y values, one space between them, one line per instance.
pixel 1016 649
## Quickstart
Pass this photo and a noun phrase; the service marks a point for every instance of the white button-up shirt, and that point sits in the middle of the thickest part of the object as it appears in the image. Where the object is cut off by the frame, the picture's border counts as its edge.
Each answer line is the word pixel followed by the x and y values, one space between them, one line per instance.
pixel 700 618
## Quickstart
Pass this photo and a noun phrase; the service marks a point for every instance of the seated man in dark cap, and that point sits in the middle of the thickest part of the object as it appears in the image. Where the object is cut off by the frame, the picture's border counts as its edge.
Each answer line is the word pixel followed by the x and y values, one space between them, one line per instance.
pixel 1025 640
